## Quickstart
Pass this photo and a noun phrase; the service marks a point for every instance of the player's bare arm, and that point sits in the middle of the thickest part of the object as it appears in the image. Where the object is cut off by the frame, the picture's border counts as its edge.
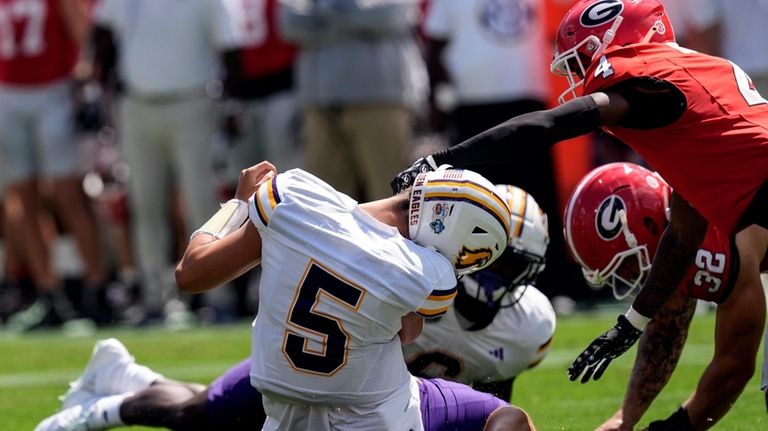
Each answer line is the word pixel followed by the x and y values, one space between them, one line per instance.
pixel 740 322
pixel 412 325
pixel 657 356
pixel 677 247
pixel 215 256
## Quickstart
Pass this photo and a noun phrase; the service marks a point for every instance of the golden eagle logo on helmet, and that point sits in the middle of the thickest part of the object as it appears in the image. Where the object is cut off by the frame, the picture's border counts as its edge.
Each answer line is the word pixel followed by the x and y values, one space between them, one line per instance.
pixel 468 258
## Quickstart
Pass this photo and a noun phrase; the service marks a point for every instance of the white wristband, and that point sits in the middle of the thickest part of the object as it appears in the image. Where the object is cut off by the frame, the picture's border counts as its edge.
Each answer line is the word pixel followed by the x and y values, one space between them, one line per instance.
pixel 636 319
pixel 227 219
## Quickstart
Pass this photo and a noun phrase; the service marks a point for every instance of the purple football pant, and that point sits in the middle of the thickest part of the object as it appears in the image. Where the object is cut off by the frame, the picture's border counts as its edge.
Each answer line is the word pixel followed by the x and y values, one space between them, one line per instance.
pixel 450 406
pixel 233 404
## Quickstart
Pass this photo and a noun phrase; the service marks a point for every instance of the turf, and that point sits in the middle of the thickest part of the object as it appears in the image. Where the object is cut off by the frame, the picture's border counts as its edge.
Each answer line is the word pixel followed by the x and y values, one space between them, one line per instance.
pixel 34 370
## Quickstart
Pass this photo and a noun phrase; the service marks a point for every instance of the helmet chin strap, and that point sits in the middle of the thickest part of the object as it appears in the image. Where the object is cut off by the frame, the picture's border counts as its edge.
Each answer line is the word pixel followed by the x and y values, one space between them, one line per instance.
pixel 651 31
pixel 608 36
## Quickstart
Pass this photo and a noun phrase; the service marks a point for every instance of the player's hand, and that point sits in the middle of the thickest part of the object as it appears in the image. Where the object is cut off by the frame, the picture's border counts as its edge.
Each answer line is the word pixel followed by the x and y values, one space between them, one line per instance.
pixel 593 361
pixel 404 179
pixel 251 178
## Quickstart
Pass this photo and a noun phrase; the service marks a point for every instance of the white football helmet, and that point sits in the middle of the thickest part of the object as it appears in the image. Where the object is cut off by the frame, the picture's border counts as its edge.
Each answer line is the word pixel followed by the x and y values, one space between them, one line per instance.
pixel 461 215
pixel 525 256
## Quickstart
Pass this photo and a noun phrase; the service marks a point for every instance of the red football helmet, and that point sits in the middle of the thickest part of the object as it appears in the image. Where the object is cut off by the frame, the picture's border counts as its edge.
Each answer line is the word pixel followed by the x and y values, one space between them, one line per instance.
pixel 591 26
pixel 613 222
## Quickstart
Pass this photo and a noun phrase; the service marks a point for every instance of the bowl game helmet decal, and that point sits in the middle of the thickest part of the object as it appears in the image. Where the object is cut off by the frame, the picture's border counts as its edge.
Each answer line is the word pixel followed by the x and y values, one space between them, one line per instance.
pixel 460 214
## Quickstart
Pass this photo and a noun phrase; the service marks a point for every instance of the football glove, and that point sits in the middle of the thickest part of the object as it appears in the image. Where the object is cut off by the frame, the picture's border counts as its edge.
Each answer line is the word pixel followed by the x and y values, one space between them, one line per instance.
pixel 405 179
pixel 679 421
pixel 593 361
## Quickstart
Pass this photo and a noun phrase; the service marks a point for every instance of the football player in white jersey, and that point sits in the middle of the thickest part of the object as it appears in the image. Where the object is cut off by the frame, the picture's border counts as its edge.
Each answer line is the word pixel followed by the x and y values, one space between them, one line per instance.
pixel 340 281
pixel 500 324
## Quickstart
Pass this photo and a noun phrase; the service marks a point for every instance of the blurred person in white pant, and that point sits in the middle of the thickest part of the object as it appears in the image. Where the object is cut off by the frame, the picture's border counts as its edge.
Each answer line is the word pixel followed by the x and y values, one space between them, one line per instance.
pixel 168 54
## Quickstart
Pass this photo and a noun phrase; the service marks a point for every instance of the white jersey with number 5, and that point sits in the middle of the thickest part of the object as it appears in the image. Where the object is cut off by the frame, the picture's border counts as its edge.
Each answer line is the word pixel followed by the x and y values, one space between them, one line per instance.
pixel 518 338
pixel 335 283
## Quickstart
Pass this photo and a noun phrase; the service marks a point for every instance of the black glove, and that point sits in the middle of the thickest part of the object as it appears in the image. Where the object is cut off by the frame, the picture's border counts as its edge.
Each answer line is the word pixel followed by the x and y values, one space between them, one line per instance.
pixel 679 421
pixel 612 344
pixel 405 179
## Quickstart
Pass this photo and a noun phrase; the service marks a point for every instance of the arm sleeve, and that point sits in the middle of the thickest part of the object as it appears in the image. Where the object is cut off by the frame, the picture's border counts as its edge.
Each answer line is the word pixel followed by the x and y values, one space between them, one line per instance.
pixel 499 144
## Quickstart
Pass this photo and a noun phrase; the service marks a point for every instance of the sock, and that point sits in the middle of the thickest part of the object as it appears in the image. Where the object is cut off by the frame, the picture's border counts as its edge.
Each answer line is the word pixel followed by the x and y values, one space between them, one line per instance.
pixel 105 413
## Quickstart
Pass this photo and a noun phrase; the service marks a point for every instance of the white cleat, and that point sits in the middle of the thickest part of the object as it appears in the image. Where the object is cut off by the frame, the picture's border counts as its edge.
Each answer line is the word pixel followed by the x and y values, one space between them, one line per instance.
pixel 74 418
pixel 106 355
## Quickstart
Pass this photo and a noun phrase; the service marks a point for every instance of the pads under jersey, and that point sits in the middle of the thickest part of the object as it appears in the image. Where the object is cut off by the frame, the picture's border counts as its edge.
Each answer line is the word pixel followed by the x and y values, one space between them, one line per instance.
pixel 35 45
pixel 716 154
pixel 518 338
pixel 335 283
pixel 714 270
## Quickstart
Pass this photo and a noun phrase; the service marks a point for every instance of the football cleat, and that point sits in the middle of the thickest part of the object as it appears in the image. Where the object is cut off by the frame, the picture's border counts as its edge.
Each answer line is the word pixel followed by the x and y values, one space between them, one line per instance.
pixel 74 418
pixel 106 355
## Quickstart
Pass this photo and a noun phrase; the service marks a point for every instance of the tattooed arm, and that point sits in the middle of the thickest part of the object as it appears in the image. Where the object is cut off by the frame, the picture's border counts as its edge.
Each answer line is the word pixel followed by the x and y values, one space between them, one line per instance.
pixel 658 352
pixel 677 248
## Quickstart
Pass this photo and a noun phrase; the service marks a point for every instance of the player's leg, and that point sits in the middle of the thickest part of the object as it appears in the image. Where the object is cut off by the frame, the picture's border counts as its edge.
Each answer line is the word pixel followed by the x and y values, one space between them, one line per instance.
pixel 61 165
pixel 739 329
pixel 149 197
pixel 329 152
pixel 460 407
pixel 381 137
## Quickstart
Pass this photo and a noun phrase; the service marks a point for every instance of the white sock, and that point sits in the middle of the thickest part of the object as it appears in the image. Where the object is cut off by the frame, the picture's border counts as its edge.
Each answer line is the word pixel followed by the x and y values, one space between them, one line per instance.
pixel 105 413
pixel 126 377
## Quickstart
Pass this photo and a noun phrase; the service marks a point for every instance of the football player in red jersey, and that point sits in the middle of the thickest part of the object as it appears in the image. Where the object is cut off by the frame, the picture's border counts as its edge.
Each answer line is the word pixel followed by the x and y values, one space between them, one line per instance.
pixel 698 121
pixel 613 223
pixel 39 46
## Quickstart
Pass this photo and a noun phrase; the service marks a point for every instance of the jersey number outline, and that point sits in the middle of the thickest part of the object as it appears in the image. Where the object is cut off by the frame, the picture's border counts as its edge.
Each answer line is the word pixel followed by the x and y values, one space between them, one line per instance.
pixel 709 264
pixel 449 365
pixel 31 13
pixel 317 283
pixel 746 88
pixel 743 81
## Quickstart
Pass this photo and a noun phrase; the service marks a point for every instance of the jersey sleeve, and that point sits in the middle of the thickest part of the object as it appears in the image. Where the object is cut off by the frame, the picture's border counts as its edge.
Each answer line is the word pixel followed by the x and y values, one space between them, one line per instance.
pixel 438 302
pixel 262 205
pixel 226 18
pixel 715 268
pixel 613 67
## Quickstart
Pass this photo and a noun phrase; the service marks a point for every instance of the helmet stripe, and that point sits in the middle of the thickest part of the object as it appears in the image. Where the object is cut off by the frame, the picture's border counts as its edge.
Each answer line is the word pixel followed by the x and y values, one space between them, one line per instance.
pixel 463 197
pixel 521 220
pixel 483 190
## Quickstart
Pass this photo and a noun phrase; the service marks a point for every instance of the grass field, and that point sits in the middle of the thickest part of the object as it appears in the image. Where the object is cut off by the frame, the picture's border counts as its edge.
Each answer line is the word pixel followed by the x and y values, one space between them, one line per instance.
pixel 35 369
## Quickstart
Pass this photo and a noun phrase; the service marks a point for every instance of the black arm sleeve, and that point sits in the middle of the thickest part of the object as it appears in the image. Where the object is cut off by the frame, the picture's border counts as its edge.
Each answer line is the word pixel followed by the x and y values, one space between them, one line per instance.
pixel 500 144
pixel 653 102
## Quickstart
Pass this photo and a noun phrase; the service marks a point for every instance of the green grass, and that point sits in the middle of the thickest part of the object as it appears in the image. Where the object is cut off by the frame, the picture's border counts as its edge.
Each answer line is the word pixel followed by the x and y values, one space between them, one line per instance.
pixel 35 369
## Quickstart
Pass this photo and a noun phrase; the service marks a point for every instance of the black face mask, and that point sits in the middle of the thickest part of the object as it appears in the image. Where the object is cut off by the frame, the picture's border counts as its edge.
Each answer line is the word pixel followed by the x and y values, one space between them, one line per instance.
pixel 478 311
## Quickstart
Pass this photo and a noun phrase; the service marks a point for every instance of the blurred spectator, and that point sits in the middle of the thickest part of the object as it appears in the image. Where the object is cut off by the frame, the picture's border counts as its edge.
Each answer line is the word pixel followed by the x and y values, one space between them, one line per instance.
pixel 167 56
pixel 262 110
pixel 360 77
pixel 743 35
pixel 695 23
pixel 38 51
pixel 488 62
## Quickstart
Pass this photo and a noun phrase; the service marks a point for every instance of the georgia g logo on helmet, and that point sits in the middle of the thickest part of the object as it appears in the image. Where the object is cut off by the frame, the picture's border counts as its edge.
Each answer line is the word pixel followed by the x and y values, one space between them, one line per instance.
pixel 601 12
pixel 608 219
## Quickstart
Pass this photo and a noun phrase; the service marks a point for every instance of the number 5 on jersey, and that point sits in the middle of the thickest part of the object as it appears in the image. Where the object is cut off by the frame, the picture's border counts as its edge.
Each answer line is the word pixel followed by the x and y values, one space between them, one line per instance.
pixel 319 283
